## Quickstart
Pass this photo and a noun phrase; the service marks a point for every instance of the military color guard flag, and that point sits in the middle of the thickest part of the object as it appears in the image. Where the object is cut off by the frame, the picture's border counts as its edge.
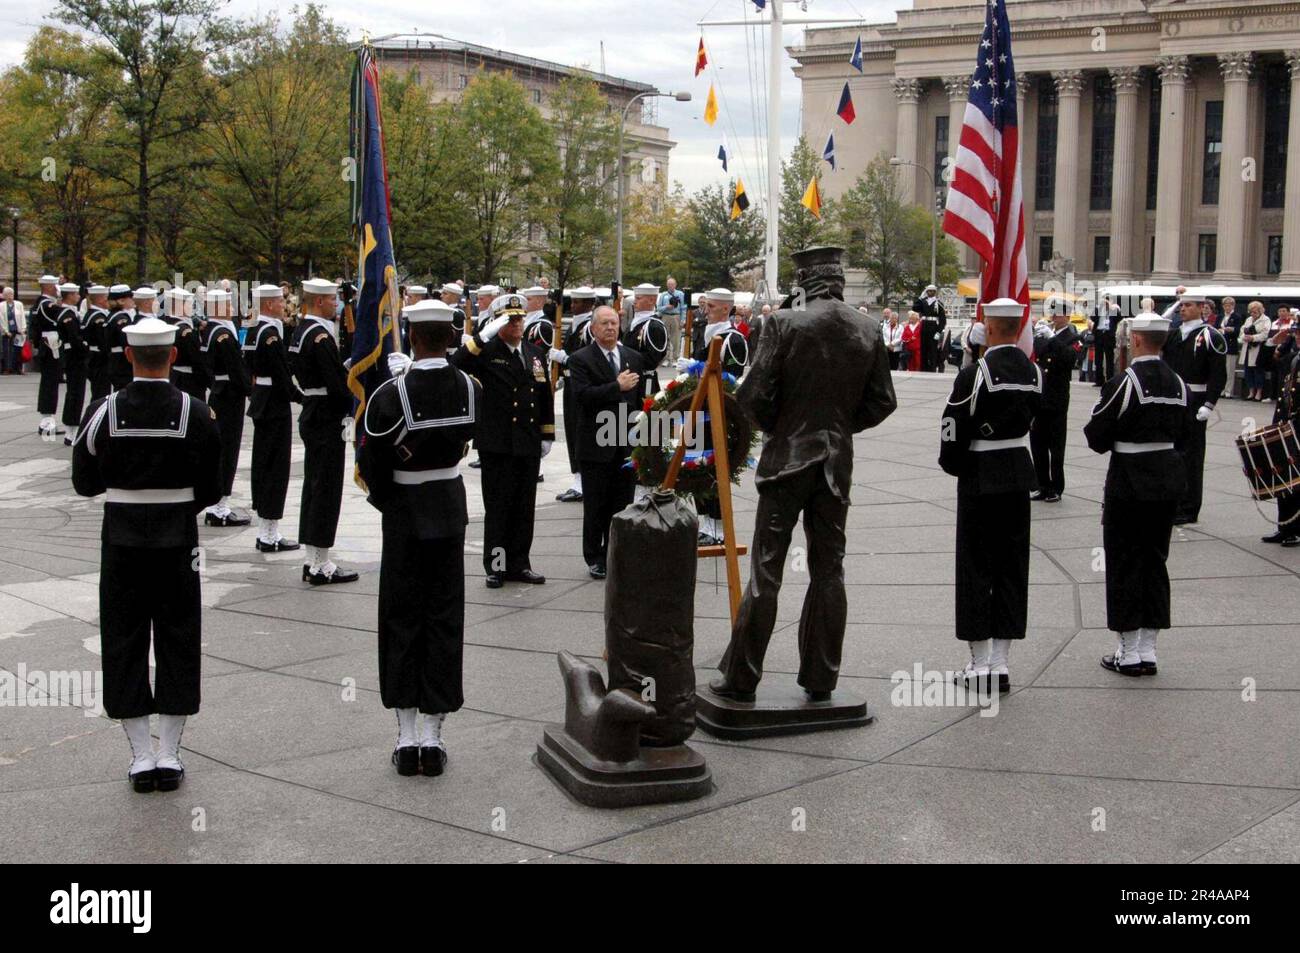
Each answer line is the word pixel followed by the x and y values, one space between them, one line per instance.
pixel 812 198
pixel 740 202
pixel 845 111
pixel 829 152
pixel 701 59
pixel 856 59
pixel 711 107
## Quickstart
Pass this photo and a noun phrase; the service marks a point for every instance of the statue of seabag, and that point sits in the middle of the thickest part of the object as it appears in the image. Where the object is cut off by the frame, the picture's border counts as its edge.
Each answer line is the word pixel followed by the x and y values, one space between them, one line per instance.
pixel 820 374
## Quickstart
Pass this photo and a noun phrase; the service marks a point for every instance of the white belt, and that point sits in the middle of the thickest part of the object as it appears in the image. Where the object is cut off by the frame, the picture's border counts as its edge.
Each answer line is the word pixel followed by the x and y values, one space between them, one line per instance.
pixel 984 446
pixel 182 495
pixel 263 381
pixel 1198 388
pixel 416 477
pixel 314 392
pixel 184 369
pixel 116 350
pixel 94 347
pixel 51 338
pixel 221 377
pixel 1125 446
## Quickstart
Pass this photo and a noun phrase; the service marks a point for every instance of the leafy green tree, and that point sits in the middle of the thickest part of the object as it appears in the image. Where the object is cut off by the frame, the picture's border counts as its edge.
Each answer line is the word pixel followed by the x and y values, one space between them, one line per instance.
pixel 714 243
pixel 799 227
pixel 654 221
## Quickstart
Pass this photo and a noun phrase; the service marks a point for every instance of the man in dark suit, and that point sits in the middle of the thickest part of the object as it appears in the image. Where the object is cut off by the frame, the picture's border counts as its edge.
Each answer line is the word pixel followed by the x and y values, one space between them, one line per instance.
pixel 1056 353
pixel 1230 328
pixel 516 429
pixel 1105 318
pixel 605 377
pixel 820 374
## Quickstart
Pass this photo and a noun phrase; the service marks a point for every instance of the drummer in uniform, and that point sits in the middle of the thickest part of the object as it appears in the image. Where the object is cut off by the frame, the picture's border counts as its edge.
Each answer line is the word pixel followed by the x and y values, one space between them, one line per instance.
pixel 97 352
pixel 1288 411
pixel 326 406
pixel 224 364
pixel 155 453
pixel 576 338
pixel 1198 354
pixel 416 430
pixel 1142 420
pixel 984 442
pixel 273 393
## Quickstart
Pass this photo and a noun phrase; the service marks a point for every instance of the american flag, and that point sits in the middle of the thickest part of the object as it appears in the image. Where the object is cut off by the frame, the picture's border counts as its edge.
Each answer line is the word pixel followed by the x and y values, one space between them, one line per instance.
pixel 985 208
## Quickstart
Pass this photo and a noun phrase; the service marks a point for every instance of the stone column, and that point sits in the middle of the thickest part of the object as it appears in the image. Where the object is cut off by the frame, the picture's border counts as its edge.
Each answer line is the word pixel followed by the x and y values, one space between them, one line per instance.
pixel 1028 171
pixel 908 92
pixel 1291 212
pixel 1023 82
pixel 1125 81
pixel 1065 217
pixel 1169 191
pixel 958 88
pixel 1232 186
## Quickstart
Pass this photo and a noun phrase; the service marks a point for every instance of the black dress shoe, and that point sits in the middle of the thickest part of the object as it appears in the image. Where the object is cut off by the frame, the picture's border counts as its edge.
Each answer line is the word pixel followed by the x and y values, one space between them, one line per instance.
pixel 169 779
pixel 144 782
pixel 541 478
pixel 475 463
pixel 720 686
pixel 67 441
pixel 1148 668
pixel 526 575
pixel 432 760
pixel 570 496
pixel 1133 671
pixel 1037 495
pixel 330 578
pixel 493 581
pixel 230 519
pixel 1291 542
pixel 1052 498
pixel 407 760
pixel 1184 520
pixel 279 546
pixel 596 572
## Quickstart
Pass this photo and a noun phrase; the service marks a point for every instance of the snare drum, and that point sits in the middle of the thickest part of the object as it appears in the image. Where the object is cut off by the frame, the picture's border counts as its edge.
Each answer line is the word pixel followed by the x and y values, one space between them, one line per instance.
pixel 1270 458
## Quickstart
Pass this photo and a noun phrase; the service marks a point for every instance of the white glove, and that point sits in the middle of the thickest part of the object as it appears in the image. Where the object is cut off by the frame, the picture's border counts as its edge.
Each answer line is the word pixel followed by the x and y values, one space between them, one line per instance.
pixel 546 446
pixel 492 327
pixel 683 363
pixel 1203 414
pixel 399 363
pixel 465 340
pixel 557 354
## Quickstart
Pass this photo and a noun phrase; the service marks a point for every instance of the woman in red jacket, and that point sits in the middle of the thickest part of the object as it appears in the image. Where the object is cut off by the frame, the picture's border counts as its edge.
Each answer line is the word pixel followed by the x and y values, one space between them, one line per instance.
pixel 912 342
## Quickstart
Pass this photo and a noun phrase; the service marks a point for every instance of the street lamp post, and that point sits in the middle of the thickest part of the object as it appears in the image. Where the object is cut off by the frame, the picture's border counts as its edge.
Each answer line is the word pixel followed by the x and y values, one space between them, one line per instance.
pixel 681 97
pixel 14 215
pixel 934 217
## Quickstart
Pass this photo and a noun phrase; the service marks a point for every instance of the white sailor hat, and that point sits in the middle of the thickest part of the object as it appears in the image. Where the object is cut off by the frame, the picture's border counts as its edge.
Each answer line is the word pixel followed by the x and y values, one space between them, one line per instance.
pixel 268 291
pixel 120 291
pixel 177 293
pixel 451 288
pixel 319 286
pixel 429 310
pixel 645 288
pixel 416 290
pixel 1192 297
pixel 487 291
pixel 583 292
pixel 720 294
pixel 536 291
pixel 151 332
pixel 1147 321
pixel 931 288
pixel 509 305
pixel 214 295
pixel 96 290
pixel 1003 308
pixel 48 280
pixel 68 287
pixel 145 293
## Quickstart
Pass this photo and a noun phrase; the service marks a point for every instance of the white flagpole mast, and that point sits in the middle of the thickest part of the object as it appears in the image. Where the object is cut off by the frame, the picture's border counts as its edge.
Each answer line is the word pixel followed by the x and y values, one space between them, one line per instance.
pixel 773 150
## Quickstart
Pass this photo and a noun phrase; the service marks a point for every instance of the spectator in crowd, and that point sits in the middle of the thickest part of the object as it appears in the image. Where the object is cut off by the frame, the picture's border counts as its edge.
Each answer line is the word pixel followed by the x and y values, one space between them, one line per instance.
pixel 1254 333
pixel 672 312
pixel 1230 328
pixel 911 343
pixel 1277 345
pixel 13 324
pixel 892 331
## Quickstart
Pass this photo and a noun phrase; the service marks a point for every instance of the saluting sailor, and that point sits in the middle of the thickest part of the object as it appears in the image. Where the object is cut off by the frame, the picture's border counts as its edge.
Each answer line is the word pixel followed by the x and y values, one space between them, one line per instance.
pixel 274 391
pixel 224 364
pixel 576 337
pixel 1142 420
pixel 43 326
pixel 1198 354
pixel 417 428
pixel 984 442
pixel 71 328
pixel 97 350
pixel 326 411
pixel 154 452
pixel 121 314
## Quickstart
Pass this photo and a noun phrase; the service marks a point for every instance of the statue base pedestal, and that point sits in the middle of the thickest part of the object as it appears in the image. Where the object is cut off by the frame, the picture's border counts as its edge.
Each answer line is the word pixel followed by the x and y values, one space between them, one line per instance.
pixel 655 776
pixel 780 707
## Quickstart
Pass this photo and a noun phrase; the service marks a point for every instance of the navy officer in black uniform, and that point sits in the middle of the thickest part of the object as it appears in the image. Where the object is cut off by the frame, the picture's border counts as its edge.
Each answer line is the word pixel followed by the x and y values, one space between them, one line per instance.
pixel 417 428
pixel 1198 354
pixel 1142 420
pixel 984 442
pixel 154 452
pixel 1056 350
pixel 273 393
pixel 326 412
pixel 516 430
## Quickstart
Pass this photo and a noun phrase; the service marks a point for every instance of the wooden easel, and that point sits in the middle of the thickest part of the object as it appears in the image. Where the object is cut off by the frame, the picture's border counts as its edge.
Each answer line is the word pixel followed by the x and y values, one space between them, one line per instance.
pixel 710 390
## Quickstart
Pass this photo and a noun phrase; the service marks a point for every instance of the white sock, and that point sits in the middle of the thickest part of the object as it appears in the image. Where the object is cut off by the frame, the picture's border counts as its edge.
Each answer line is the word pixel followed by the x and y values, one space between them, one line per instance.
pixel 169 740
pixel 979 654
pixel 72 434
pixel 431 731
pixel 577 482
pixel 1146 644
pixel 406 727
pixel 137 733
pixel 317 556
pixel 47 423
pixel 1126 651
pixel 273 531
pixel 223 508
pixel 998 656
pixel 264 530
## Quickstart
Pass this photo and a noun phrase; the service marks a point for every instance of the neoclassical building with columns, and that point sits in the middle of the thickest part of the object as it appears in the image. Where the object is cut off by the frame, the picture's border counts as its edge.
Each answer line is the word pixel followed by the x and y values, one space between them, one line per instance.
pixel 1153 132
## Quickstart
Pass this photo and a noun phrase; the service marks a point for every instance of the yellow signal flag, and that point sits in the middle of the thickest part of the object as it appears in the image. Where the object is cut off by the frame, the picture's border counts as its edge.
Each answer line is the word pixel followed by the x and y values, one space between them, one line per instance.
pixel 740 201
pixel 812 198
pixel 711 107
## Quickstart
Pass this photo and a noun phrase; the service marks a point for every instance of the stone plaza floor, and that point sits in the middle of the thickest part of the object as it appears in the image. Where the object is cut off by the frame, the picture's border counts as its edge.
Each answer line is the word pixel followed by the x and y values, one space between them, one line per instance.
pixel 288 759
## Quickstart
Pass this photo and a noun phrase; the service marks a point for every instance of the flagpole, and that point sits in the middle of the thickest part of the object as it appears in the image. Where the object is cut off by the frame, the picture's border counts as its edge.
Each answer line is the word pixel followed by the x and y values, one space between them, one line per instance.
pixel 774 150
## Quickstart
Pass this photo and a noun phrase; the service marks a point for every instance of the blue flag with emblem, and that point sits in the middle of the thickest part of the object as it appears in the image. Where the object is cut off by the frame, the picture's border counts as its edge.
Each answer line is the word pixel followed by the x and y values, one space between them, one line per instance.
pixel 376 303
pixel 829 152
pixel 856 59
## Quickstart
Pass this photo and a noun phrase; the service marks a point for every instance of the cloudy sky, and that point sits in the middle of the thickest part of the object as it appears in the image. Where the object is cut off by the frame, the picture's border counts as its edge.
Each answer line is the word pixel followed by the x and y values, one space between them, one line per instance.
pixel 652 41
